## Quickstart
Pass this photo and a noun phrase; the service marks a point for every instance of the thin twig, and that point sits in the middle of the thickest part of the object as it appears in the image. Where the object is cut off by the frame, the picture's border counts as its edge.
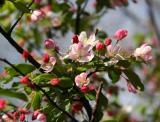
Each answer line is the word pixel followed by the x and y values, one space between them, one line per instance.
pixel 97 102
pixel 39 88
pixel 14 25
pixel 20 49
pixel 78 16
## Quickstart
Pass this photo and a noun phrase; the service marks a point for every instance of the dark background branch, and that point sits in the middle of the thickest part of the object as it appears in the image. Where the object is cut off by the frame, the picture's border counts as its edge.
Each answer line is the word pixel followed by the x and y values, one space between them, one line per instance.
pixel 152 18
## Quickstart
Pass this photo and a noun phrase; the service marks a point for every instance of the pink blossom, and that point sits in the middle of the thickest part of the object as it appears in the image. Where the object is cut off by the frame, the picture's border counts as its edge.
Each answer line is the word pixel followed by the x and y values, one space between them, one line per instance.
pixel 120 34
pixel 81 52
pixel 37 14
pixel 2 104
pixel 143 52
pixel 91 41
pixel 50 44
pixel 81 80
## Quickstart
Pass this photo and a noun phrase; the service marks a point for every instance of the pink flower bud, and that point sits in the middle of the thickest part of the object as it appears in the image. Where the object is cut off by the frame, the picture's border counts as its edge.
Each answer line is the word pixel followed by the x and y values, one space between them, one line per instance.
pixel 22 117
pixel 46 58
pixel 2 104
pixel 35 114
pixel 37 1
pixel 25 54
pixel 99 46
pixel 92 87
pixel 84 89
pixel 41 117
pixel 110 48
pixel 55 81
pixel 24 80
pixel 144 52
pixel 50 44
pixel 120 34
pixel 108 41
pixel 131 88
pixel 75 39
pixel 76 106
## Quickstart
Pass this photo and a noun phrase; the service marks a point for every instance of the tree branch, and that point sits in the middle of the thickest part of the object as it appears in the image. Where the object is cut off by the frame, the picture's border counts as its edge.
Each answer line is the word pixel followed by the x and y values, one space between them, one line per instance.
pixel 19 49
pixel 78 16
pixel 97 102
pixel 39 88
pixel 152 18
pixel 14 25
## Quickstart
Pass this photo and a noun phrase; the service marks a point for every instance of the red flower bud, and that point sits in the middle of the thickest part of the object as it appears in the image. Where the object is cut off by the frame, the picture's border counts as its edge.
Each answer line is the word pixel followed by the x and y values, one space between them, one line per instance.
pixel 24 80
pixel 110 113
pixel 46 58
pixel 2 104
pixel 99 46
pixel 37 1
pixel 84 89
pixel 22 117
pixel 108 41
pixel 76 106
pixel 75 39
pixel 55 81
pixel 25 54
pixel 120 34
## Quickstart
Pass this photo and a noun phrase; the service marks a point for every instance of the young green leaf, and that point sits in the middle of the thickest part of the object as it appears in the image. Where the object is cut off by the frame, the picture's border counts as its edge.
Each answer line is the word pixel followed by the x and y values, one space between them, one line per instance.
pixel 13 94
pixel 36 100
pixel 24 68
pixel 134 79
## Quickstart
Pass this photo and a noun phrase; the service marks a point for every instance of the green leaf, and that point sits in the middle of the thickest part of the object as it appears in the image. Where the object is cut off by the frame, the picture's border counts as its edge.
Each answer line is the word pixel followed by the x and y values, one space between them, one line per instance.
pixel 79 2
pixel 42 78
pixel 36 100
pixel 11 93
pixel 66 82
pixel 134 79
pixel 91 95
pixel 110 121
pixel 124 63
pixel 21 6
pixel 24 68
pixel 114 75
